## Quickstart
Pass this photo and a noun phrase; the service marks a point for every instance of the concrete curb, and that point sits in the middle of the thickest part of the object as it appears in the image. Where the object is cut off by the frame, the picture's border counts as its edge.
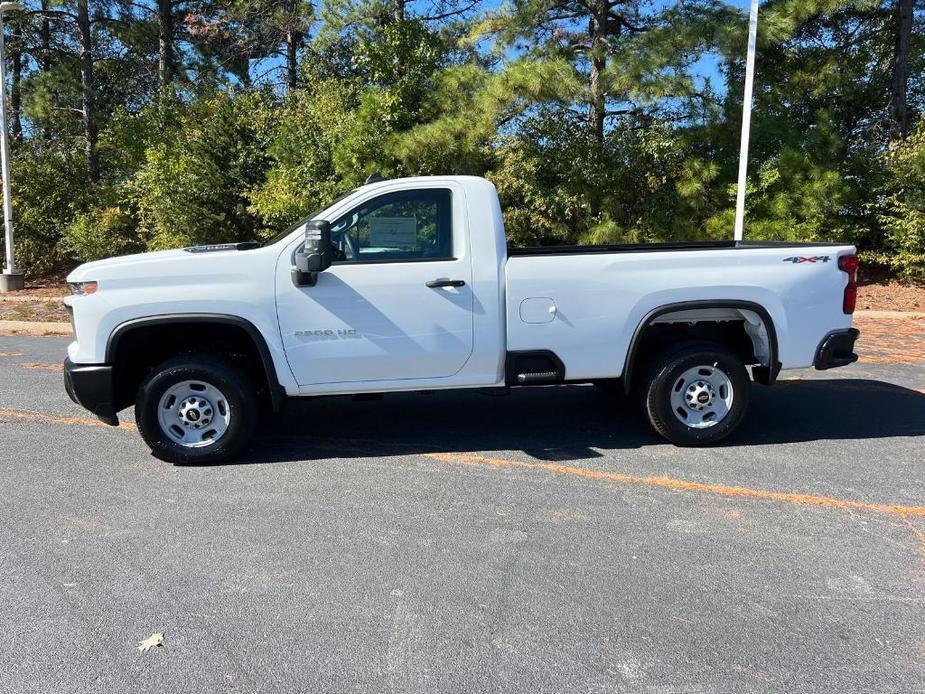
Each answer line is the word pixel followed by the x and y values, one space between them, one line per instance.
pixel 34 328
pixel 891 315
pixel 4 298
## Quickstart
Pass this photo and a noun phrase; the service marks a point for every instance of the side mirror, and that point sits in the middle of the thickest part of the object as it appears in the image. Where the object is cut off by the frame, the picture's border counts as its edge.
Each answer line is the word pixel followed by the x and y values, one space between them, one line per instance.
pixel 316 256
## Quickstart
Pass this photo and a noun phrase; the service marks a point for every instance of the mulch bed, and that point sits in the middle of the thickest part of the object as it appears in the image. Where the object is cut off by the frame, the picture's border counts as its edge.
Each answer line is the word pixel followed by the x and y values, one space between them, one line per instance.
pixel 891 296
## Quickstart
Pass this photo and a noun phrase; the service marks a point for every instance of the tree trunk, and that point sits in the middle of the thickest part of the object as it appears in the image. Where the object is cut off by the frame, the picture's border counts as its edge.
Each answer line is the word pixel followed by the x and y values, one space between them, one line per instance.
pixel 598 103
pixel 597 106
pixel 899 110
pixel 293 39
pixel 16 83
pixel 597 98
pixel 398 10
pixel 166 60
pixel 87 88
pixel 244 75
pixel 45 53
pixel 45 39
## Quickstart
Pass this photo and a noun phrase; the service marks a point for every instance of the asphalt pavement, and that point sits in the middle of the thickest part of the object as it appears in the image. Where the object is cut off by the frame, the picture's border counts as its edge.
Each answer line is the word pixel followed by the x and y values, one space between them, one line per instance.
pixel 546 541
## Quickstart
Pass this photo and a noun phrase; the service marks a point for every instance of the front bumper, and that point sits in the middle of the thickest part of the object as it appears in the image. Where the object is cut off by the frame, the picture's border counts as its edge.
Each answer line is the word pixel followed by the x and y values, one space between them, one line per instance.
pixel 837 349
pixel 90 385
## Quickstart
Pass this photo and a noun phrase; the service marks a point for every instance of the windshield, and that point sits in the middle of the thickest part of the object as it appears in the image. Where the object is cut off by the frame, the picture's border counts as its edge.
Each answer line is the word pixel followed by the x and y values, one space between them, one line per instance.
pixel 285 232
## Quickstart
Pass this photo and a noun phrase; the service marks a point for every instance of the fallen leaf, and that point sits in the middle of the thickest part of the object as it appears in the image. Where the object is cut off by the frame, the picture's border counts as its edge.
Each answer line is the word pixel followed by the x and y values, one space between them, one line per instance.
pixel 150 642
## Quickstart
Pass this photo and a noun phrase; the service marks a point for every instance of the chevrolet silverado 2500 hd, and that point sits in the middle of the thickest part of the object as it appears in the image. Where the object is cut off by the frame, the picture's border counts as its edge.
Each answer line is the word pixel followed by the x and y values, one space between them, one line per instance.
pixel 408 285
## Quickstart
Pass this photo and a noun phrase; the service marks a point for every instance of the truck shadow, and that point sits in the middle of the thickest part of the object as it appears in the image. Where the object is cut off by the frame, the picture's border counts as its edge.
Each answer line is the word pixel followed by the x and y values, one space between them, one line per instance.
pixel 831 409
pixel 572 422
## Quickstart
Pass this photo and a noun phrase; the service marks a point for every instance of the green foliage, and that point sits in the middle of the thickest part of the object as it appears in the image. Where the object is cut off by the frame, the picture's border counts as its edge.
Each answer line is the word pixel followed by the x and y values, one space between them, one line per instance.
pixel 471 105
pixel 398 62
pixel 400 58
pixel 49 190
pixel 904 216
pixel 302 171
pixel 102 232
pixel 640 186
pixel 798 195
pixel 537 210
pixel 227 149
pixel 193 186
pixel 127 137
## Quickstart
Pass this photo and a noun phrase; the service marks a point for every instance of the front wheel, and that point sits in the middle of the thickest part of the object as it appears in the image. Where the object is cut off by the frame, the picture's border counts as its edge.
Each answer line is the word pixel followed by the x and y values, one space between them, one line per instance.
pixel 696 394
pixel 196 409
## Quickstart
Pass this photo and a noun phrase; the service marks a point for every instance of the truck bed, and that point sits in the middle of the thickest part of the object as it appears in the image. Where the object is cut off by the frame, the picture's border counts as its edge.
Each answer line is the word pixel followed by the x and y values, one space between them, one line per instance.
pixel 585 302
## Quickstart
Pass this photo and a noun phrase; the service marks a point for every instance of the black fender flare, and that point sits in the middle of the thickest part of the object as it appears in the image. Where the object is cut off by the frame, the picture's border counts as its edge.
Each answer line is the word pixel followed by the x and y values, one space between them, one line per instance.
pixel 765 375
pixel 277 393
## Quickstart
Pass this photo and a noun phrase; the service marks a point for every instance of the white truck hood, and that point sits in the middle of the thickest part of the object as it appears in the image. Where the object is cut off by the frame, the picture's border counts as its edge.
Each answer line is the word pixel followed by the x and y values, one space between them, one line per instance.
pixel 206 259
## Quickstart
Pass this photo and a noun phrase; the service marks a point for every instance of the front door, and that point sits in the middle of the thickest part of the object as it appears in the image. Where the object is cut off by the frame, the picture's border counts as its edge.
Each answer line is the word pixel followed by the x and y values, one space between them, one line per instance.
pixel 397 302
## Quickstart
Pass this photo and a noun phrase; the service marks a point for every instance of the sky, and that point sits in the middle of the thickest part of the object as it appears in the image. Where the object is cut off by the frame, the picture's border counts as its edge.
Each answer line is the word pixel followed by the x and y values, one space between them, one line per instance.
pixel 708 66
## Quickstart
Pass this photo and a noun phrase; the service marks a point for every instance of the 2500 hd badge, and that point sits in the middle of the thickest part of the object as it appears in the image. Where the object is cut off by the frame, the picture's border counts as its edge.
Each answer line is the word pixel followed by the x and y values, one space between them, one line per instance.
pixel 328 332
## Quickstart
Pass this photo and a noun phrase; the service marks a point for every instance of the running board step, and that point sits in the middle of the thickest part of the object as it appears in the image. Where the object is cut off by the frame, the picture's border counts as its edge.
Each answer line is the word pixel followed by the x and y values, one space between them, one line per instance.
pixel 533 368
pixel 539 377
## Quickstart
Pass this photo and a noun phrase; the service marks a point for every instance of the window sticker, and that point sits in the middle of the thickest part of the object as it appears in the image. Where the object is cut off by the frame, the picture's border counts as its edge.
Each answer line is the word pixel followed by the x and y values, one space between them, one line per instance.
pixel 393 232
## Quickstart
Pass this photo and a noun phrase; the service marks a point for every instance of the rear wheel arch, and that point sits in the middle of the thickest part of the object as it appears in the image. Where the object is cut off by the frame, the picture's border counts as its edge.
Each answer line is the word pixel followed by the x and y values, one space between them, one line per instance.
pixel 217 327
pixel 765 374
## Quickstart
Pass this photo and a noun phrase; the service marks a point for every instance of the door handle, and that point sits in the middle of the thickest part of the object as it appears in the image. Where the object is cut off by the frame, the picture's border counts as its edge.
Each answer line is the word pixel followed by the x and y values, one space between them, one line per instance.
pixel 434 284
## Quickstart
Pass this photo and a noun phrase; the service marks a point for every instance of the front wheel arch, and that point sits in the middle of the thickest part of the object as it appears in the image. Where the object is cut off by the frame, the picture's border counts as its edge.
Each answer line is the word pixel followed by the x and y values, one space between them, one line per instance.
pixel 137 345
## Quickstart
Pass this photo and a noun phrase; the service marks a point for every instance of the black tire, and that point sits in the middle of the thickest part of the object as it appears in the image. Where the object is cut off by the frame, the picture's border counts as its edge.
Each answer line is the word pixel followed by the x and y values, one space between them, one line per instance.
pixel 239 394
pixel 664 376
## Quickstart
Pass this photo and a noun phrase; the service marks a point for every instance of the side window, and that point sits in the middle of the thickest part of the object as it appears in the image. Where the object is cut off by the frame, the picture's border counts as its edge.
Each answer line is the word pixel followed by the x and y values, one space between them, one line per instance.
pixel 409 225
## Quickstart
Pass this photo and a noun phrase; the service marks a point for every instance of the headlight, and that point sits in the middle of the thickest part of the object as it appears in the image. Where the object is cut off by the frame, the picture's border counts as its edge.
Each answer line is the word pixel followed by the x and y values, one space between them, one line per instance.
pixel 82 288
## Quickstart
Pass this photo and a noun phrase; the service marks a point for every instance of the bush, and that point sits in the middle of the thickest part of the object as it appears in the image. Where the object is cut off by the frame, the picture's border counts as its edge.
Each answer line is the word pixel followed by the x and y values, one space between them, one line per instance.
pixel 102 232
pixel 904 218
pixel 302 175
pixel 49 187
pixel 193 186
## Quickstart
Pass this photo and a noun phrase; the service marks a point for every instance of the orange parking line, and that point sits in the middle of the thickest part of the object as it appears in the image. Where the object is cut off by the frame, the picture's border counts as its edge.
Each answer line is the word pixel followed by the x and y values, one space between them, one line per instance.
pixel 39 365
pixel 686 486
pixel 793 498
pixel 50 419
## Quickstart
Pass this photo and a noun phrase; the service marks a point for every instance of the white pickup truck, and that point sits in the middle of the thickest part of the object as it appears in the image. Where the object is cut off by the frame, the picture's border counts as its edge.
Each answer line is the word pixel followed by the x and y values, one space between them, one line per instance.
pixel 408 284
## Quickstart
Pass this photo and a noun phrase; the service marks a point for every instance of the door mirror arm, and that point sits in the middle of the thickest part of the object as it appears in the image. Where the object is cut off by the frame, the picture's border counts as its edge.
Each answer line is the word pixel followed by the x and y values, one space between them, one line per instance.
pixel 315 256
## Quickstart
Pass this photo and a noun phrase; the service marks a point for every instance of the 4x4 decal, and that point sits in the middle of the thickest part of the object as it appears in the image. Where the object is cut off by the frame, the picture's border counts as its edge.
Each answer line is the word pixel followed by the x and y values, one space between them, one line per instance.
pixel 804 259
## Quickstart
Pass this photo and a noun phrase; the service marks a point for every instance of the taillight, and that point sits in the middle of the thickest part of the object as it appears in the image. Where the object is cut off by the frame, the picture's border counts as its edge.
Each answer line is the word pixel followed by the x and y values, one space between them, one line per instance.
pixel 850 264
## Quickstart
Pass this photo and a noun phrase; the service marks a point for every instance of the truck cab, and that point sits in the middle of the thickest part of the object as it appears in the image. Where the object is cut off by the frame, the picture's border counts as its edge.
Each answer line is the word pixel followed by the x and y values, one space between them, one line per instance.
pixel 414 297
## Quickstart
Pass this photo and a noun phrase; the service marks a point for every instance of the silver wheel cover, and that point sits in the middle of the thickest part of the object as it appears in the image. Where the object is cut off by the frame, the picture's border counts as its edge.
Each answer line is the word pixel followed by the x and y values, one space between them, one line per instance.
pixel 193 414
pixel 702 396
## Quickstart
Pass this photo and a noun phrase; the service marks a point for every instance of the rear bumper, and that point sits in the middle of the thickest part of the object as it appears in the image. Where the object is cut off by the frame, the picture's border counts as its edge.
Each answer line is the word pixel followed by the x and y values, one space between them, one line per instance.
pixel 837 349
pixel 90 385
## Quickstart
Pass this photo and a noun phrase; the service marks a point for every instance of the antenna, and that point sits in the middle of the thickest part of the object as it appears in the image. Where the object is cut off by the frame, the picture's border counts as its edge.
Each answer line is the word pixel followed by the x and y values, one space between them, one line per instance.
pixel 374 177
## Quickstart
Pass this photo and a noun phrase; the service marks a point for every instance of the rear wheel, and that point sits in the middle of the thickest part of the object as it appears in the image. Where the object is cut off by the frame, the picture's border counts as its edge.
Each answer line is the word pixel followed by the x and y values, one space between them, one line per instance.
pixel 196 409
pixel 696 394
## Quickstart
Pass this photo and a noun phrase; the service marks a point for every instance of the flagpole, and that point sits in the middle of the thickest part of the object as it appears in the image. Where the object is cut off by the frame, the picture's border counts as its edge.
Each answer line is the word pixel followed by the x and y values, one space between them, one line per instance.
pixel 10 279
pixel 746 120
